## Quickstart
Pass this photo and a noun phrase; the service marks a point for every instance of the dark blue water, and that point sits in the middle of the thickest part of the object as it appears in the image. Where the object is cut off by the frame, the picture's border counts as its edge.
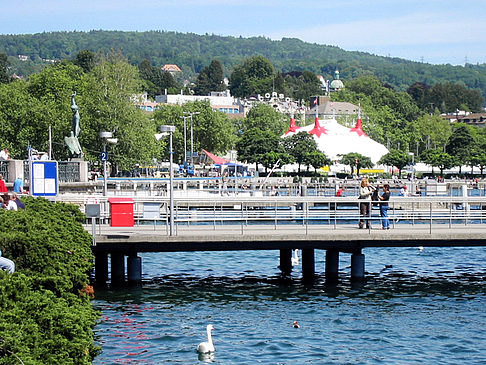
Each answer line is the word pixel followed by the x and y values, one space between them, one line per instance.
pixel 416 307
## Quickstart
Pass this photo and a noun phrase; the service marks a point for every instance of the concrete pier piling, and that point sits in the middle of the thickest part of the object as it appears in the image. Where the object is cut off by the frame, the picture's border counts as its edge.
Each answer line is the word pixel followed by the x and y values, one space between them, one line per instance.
pixel 134 268
pixel 332 265
pixel 117 268
pixel 286 261
pixel 357 266
pixel 101 268
pixel 308 264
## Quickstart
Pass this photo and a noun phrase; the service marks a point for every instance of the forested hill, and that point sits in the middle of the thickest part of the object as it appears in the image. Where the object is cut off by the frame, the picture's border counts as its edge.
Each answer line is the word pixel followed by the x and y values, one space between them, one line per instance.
pixel 192 52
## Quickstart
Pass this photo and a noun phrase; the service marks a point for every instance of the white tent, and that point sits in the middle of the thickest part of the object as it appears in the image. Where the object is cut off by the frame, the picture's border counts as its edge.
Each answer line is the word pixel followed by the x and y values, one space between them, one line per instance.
pixel 334 139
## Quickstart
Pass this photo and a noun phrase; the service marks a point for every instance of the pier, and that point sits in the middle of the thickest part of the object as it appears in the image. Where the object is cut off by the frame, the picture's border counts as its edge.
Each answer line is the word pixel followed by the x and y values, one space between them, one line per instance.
pixel 310 224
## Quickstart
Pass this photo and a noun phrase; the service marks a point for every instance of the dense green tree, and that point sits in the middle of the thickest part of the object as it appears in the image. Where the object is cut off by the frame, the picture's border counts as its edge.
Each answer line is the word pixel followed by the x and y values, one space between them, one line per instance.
pixel 4 78
pixel 106 106
pixel 256 75
pixel 302 85
pixel 212 130
pixel 156 81
pixel 261 147
pixel 302 147
pixel 438 158
pixel 265 118
pixel 356 160
pixel 449 97
pixel 478 153
pixel 461 143
pixel 430 131
pixel 317 159
pixel 28 108
pixel 85 59
pixel 211 78
pixel 396 158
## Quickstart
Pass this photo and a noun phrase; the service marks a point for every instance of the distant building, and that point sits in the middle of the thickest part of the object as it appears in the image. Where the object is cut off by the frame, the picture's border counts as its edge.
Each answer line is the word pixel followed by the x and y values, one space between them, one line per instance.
pixel 476 119
pixel 336 84
pixel 23 57
pixel 327 108
pixel 220 101
pixel 171 69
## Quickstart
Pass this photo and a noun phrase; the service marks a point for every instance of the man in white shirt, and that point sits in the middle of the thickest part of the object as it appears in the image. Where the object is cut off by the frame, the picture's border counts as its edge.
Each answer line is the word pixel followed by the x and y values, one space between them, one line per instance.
pixel 4 155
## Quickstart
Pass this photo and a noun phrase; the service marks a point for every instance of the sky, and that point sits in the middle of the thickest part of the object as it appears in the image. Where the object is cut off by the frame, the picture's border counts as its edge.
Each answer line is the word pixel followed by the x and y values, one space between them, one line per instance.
pixel 430 31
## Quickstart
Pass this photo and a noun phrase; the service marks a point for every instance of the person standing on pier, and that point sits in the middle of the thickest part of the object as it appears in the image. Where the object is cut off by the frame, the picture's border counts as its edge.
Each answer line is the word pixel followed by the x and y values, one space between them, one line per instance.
pixel 365 192
pixel 384 206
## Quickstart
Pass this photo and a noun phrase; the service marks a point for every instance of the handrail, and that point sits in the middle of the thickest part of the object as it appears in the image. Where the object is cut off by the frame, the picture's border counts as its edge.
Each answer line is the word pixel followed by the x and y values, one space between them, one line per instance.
pixel 277 210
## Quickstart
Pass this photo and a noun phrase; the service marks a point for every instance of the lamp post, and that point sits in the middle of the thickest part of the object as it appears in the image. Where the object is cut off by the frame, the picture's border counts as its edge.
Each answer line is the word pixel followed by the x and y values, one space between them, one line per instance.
pixel 413 165
pixel 185 139
pixel 107 137
pixel 192 135
pixel 170 129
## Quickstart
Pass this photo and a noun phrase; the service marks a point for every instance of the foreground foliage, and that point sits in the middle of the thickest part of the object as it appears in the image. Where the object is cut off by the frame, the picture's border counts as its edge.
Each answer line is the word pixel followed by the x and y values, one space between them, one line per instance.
pixel 45 316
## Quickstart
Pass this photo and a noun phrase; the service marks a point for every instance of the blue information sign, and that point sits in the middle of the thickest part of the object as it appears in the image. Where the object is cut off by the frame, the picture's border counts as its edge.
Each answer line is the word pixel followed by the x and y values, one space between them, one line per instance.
pixel 44 178
pixel 104 156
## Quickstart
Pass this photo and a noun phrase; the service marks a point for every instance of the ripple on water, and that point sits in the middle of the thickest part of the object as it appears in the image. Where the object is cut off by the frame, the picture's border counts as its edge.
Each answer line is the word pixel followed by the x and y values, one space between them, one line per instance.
pixel 425 308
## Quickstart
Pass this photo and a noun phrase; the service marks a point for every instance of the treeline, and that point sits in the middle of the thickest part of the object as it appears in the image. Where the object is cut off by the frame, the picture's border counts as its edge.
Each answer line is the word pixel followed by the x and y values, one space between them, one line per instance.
pixel 107 83
pixel 46 317
pixel 192 52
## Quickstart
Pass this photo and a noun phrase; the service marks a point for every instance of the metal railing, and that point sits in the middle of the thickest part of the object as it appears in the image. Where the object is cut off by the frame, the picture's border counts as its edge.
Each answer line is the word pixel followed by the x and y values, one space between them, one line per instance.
pixel 334 213
pixel 68 171
pixel 4 170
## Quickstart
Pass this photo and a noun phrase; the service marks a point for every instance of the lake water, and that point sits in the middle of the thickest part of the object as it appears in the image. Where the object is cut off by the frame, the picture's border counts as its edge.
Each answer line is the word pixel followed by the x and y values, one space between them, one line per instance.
pixel 416 307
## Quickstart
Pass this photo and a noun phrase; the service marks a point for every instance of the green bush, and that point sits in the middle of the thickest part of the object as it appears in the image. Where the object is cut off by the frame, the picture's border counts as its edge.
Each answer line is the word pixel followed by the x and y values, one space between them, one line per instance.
pixel 45 317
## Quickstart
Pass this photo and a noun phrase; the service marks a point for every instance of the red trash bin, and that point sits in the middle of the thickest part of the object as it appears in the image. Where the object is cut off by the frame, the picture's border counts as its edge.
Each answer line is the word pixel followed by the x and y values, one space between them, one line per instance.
pixel 121 212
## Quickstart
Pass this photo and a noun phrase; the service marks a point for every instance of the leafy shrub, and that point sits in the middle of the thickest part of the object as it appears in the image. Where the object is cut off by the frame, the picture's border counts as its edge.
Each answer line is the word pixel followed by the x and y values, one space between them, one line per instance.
pixel 44 316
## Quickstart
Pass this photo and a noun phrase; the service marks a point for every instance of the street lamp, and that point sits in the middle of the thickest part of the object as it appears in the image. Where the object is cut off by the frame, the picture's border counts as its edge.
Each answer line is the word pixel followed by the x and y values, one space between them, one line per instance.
pixel 185 139
pixel 413 165
pixel 169 129
pixel 192 135
pixel 107 137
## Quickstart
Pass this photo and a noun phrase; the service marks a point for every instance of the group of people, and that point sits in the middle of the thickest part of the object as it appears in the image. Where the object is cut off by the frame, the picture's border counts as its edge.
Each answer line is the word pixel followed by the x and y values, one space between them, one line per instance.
pixel 368 193
pixel 11 202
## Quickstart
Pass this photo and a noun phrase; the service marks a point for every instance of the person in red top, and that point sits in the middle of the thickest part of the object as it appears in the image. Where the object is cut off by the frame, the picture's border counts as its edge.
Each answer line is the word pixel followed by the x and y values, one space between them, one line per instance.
pixel 3 187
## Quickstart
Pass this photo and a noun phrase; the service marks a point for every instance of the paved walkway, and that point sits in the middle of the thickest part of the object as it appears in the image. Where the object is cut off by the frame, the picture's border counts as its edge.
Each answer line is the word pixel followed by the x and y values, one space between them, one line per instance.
pixel 319 236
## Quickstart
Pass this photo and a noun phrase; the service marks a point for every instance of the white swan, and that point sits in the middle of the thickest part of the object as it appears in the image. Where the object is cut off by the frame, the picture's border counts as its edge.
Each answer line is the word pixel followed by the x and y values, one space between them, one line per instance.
pixel 295 258
pixel 206 347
